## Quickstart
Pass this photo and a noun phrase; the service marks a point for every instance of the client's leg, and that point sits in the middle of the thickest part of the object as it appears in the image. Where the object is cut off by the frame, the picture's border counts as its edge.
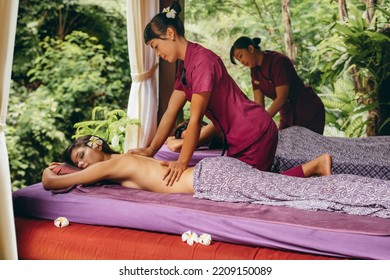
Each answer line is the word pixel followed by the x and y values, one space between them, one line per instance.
pixel 320 166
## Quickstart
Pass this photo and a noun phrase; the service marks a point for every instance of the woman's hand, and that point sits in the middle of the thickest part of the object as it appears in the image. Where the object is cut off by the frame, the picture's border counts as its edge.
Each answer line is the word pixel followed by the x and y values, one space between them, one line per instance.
pixel 47 175
pixel 49 171
pixel 147 152
pixel 54 165
pixel 174 171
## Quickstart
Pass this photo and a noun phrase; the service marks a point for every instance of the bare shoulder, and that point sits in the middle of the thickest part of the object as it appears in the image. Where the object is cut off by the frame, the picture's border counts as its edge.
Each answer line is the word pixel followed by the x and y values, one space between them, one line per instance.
pixel 132 158
pixel 122 159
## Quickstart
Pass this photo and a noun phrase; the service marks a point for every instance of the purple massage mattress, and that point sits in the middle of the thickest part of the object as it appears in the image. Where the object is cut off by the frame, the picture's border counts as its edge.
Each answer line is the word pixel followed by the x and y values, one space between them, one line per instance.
pixel 317 232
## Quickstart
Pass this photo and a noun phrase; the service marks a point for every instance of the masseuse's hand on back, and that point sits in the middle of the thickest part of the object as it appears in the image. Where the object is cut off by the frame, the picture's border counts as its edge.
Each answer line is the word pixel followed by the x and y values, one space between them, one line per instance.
pixel 174 171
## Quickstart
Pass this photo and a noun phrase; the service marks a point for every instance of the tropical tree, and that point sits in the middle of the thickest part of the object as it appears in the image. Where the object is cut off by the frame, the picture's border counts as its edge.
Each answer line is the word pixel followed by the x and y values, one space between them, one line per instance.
pixel 361 48
pixel 39 19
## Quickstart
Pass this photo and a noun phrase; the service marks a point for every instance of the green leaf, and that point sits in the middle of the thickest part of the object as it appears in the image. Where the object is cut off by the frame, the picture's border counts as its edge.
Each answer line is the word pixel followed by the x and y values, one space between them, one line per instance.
pixel 343 30
pixel 355 127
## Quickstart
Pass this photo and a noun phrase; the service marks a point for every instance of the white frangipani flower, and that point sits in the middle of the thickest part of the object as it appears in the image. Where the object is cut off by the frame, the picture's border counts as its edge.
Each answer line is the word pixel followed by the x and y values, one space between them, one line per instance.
pixel 171 13
pixel 205 239
pixel 95 142
pixel 61 222
pixel 189 237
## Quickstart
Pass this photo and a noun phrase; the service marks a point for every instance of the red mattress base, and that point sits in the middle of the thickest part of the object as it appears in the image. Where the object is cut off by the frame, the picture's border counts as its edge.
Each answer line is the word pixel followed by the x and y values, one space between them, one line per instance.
pixel 39 239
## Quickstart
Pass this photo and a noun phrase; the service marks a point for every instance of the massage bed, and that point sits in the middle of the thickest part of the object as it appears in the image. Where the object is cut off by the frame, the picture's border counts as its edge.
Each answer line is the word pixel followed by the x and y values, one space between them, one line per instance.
pixel 97 213
pixel 114 222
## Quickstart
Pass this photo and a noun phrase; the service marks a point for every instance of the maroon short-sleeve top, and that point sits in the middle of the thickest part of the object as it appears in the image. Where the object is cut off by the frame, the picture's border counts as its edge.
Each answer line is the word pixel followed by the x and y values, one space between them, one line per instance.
pixel 240 119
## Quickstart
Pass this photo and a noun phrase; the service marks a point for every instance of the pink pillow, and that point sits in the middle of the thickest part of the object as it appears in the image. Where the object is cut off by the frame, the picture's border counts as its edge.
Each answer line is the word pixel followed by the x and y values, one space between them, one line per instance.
pixel 65 168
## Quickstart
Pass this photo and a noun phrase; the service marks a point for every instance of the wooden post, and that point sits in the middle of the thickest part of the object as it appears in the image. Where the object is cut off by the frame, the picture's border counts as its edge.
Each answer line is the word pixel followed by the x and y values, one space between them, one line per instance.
pixel 288 41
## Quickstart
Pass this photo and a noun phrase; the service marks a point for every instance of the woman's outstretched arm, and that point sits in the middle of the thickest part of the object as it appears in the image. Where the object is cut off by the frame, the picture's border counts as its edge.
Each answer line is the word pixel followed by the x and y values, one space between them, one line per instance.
pixel 95 173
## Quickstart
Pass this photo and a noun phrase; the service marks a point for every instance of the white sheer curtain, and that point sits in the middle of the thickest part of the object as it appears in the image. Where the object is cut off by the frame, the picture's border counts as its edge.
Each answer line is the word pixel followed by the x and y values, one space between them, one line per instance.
pixel 143 99
pixel 8 16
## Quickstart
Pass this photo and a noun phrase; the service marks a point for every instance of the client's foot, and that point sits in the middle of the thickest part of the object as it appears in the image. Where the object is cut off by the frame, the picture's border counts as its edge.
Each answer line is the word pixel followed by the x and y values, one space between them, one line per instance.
pixel 320 166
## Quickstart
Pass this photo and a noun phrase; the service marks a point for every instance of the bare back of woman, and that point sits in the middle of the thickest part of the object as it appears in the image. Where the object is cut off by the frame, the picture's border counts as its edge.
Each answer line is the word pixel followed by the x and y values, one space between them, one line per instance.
pixel 132 171
pixel 147 173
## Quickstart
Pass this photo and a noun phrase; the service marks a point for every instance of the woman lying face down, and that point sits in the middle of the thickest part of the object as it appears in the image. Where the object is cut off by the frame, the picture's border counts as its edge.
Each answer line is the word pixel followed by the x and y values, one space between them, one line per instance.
pixel 226 179
pixel 99 162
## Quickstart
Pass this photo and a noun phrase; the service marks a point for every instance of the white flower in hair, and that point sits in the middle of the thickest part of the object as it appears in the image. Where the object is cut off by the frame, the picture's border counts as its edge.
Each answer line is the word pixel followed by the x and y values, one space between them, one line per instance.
pixel 95 142
pixel 205 239
pixel 171 13
pixel 189 237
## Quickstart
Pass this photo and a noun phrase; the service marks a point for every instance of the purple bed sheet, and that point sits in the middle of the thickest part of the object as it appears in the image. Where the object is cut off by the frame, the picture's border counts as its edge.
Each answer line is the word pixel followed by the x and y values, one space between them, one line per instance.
pixel 319 232
pixel 166 154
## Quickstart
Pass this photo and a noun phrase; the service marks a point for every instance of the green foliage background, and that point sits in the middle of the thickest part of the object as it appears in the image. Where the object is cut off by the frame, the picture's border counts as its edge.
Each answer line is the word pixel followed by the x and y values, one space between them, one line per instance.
pixel 106 124
pixel 69 58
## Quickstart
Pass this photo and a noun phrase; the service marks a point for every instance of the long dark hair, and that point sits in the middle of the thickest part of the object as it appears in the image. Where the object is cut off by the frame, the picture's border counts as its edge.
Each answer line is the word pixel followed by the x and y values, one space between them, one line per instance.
pixel 183 126
pixel 244 43
pixel 159 24
pixel 81 142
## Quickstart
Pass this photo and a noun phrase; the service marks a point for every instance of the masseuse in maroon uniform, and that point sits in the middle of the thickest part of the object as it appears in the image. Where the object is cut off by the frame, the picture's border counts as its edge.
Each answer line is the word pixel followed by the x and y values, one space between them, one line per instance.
pixel 202 79
pixel 273 75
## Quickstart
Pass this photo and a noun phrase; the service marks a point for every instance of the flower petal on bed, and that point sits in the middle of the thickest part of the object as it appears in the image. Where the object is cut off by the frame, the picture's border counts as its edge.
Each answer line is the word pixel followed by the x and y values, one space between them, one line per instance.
pixel 205 239
pixel 189 237
pixel 61 222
